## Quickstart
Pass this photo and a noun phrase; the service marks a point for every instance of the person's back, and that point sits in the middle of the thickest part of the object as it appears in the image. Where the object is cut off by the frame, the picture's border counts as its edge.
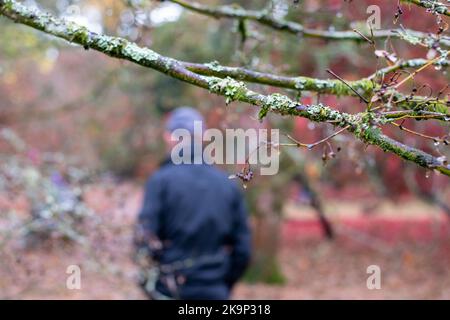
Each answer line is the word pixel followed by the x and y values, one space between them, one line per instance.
pixel 199 217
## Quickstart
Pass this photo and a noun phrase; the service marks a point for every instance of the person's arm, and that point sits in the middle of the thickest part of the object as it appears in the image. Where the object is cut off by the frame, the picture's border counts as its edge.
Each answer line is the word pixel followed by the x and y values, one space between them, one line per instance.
pixel 149 218
pixel 240 241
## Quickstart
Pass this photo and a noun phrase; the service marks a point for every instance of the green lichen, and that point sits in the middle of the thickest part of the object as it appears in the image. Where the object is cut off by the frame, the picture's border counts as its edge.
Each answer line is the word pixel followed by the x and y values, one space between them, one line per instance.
pixel 367 132
pixel 334 87
pixel 263 111
pixel 7 4
pixel 318 112
pixel 214 66
pixel 278 103
pixel 139 54
pixel 409 37
pixel 111 45
pixel 442 9
pixel 419 104
pixel 232 89
pixel 373 135
pixel 433 6
pixel 441 108
pixel 309 84
pixel 77 33
pixel 322 113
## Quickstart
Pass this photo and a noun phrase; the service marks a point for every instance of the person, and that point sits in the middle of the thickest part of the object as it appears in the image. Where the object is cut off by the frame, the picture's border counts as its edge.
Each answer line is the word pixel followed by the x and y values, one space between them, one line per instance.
pixel 193 225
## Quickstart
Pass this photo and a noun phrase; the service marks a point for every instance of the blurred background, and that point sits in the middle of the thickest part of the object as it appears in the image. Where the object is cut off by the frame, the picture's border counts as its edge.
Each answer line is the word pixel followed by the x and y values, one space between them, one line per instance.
pixel 80 132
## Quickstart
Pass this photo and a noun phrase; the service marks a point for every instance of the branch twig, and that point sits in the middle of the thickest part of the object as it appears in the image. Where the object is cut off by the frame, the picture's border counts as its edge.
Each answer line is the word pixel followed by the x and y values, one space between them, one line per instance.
pixel 361 124
pixel 263 17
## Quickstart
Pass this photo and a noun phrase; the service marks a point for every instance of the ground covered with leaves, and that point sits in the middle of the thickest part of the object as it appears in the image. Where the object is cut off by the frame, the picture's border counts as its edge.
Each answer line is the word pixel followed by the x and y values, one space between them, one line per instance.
pixel 414 263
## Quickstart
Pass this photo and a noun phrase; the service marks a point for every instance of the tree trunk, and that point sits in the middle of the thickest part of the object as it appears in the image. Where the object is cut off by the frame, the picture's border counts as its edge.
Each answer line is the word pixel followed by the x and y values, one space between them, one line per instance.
pixel 266 206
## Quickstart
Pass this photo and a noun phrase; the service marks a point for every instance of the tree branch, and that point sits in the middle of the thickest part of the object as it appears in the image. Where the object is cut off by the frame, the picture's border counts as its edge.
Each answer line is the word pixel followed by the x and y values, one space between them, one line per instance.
pixel 412 63
pixel 434 6
pixel 366 86
pixel 263 17
pixel 300 83
pixel 365 126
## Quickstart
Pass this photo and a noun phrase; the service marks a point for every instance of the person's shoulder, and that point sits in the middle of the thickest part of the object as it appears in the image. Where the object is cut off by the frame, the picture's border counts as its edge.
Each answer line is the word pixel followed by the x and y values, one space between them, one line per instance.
pixel 159 175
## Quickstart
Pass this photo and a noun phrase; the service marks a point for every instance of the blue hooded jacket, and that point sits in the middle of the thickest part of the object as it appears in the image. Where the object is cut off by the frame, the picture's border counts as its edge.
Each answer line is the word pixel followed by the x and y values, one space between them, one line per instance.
pixel 200 218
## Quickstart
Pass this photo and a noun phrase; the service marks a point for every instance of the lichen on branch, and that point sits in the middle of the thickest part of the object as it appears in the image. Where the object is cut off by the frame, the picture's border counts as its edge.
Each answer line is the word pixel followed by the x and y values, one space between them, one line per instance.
pixel 432 5
pixel 265 18
pixel 365 125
